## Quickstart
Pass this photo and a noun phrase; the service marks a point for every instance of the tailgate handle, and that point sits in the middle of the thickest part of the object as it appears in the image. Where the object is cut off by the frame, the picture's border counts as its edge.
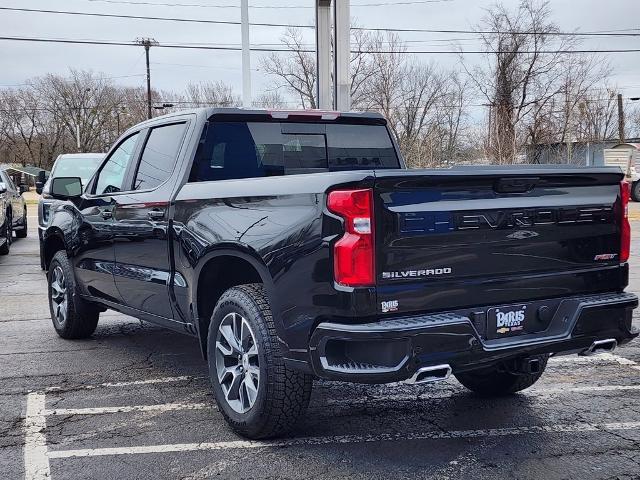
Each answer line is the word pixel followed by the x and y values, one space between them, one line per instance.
pixel 515 185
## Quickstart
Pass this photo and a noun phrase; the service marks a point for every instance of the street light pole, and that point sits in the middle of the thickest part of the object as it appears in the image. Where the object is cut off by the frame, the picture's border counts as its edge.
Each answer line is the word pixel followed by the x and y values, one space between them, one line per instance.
pixel 342 78
pixel 246 55
pixel 323 54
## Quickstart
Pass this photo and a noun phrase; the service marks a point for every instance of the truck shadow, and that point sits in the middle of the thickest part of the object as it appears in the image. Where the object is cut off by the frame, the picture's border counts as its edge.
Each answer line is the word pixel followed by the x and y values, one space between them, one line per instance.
pixel 338 408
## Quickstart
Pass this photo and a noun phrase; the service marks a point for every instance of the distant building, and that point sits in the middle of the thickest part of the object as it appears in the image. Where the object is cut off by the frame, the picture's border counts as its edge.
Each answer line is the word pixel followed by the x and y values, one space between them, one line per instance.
pixel 23 175
pixel 580 153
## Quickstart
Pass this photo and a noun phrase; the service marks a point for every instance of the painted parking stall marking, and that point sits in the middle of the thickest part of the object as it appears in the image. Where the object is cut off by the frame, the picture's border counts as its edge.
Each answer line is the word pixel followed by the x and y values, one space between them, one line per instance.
pixel 36 459
pixel 37 455
pixel 383 437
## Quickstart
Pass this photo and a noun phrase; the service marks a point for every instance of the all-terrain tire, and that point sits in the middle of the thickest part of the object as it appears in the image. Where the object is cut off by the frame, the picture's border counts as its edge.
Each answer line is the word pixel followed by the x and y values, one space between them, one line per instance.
pixel 491 382
pixel 283 394
pixel 22 233
pixel 72 318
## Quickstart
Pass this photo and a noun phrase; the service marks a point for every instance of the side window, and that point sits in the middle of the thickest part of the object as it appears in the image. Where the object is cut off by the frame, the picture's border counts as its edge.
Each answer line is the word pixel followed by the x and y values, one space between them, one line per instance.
pixel 111 176
pixel 159 155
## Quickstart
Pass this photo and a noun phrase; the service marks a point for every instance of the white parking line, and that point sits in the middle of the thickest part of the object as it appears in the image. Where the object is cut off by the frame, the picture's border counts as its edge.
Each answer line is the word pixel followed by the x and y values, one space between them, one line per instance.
pixel 342 439
pixel 36 460
pixel 600 358
pixel 168 407
pixel 532 392
pixel 125 384
pixel 163 407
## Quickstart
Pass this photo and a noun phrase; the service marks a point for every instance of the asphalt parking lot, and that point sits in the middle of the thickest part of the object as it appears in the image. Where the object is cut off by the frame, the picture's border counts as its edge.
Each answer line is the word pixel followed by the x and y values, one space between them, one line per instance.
pixel 133 402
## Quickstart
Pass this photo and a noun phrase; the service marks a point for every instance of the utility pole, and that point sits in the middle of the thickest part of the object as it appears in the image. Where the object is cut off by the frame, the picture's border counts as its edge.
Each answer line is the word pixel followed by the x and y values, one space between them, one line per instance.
pixel 620 119
pixel 246 55
pixel 147 43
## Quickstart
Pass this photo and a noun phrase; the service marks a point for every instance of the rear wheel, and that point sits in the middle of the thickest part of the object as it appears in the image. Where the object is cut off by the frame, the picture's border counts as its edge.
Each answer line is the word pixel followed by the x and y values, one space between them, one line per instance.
pixel 22 233
pixel 494 381
pixel 7 233
pixel 259 396
pixel 72 318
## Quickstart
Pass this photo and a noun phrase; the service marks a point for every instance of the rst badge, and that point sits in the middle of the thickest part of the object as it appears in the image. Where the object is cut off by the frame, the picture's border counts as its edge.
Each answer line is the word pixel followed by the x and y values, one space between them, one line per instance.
pixel 605 256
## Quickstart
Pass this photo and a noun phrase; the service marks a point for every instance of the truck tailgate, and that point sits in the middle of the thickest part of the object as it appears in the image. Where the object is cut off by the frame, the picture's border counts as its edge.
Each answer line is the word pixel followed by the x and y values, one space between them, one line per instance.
pixel 468 237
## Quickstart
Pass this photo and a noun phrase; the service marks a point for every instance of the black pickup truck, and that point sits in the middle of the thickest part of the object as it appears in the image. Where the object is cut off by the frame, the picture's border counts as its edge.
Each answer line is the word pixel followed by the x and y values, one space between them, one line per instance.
pixel 295 245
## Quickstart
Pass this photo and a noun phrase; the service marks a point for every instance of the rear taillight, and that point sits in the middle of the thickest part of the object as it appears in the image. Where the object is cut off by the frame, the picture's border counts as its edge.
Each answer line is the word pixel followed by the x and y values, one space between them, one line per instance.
pixel 354 252
pixel 625 228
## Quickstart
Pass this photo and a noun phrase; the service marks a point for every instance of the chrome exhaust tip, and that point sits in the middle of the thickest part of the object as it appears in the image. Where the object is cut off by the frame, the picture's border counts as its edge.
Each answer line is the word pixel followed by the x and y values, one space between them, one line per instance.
pixel 430 374
pixel 601 346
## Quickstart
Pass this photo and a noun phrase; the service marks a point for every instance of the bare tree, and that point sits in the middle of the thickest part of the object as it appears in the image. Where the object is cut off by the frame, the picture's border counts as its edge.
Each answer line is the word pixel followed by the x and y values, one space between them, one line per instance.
pixel 85 103
pixel 525 70
pixel 296 71
pixel 270 99
pixel 211 94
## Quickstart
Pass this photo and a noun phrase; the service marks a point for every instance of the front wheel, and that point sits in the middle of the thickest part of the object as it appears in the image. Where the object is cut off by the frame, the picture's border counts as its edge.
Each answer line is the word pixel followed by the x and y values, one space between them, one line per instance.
pixel 495 382
pixel 258 395
pixel 7 232
pixel 72 318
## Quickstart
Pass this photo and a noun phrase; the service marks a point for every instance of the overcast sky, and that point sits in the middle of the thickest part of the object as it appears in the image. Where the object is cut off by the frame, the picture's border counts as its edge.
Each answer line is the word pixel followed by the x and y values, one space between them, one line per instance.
pixel 173 68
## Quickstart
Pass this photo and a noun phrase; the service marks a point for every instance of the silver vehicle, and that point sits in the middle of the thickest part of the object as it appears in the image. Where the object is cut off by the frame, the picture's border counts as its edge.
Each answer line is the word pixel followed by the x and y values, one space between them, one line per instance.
pixel 82 165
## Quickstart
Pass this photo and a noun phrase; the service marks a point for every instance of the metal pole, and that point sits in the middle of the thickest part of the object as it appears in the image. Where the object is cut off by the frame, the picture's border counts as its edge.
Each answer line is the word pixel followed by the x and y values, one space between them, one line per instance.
pixel 78 134
pixel 147 46
pixel 620 119
pixel 323 51
pixel 246 55
pixel 342 55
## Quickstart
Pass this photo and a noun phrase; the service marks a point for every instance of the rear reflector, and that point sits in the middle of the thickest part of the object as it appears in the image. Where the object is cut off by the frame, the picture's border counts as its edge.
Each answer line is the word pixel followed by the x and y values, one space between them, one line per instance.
pixel 354 252
pixel 625 228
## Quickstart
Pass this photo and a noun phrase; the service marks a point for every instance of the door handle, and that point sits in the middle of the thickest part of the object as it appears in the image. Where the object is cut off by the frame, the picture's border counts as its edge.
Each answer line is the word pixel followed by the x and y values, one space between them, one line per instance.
pixel 106 214
pixel 155 214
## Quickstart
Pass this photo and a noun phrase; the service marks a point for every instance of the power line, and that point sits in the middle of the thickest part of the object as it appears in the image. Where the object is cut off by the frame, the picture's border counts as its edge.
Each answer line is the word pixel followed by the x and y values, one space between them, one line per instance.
pixel 142 17
pixel 200 5
pixel 286 50
pixel 280 25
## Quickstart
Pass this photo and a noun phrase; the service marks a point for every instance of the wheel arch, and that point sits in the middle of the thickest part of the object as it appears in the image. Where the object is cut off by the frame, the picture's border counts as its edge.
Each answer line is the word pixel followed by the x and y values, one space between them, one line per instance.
pixel 220 270
pixel 53 242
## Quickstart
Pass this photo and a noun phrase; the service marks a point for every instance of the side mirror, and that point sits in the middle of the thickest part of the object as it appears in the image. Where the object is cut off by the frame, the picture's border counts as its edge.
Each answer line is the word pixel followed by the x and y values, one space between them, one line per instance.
pixel 23 188
pixel 42 177
pixel 39 187
pixel 66 187
pixel 3 187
